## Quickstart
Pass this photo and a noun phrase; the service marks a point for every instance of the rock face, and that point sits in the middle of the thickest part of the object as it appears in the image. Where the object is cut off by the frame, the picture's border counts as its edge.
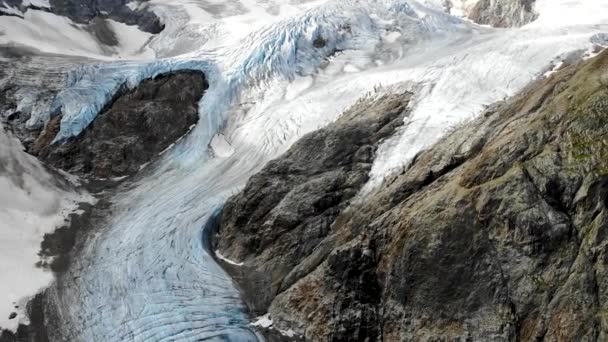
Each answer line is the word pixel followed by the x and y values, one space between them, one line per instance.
pixel 286 211
pixel 496 13
pixel 497 233
pixel 131 131
pixel 503 13
pixel 83 11
pixel 86 11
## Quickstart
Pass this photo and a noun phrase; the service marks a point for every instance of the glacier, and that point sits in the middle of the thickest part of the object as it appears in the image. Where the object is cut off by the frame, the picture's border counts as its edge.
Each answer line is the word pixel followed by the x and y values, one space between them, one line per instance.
pixel 146 274
pixel 282 50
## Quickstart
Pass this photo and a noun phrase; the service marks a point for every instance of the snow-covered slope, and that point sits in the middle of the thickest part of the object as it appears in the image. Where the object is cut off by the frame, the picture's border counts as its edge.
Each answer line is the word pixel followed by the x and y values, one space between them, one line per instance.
pixel 31 204
pixel 276 71
pixel 50 33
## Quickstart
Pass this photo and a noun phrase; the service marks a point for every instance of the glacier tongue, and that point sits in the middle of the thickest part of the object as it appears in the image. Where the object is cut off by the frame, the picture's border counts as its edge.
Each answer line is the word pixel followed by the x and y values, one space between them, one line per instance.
pixel 145 275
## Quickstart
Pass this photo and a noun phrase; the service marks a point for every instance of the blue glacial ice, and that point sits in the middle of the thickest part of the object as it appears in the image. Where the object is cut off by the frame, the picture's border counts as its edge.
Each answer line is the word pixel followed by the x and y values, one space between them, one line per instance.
pixel 145 275
pixel 282 50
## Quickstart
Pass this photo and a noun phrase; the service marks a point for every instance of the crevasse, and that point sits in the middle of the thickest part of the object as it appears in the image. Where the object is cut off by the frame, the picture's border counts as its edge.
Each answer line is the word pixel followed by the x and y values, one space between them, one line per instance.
pixel 145 275
pixel 283 50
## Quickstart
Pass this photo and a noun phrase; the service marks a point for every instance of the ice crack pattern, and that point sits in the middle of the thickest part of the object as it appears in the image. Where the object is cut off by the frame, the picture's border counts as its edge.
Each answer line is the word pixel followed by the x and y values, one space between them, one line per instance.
pixel 145 275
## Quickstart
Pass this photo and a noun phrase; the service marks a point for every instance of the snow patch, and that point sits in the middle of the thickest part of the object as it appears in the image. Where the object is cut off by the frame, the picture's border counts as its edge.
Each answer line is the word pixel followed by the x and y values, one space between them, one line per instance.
pixel 133 5
pixel 223 258
pixel 350 68
pixel 266 322
pixel 51 33
pixel 132 42
pixel 263 321
pixel 10 10
pixel 288 333
pixel 220 147
pixel 553 70
pixel 37 3
pixel 31 205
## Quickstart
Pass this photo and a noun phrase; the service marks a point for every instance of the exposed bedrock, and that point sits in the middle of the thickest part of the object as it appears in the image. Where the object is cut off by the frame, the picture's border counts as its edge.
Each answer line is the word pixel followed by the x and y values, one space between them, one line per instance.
pixel 497 233
pixel 503 13
pixel 28 84
pixel 85 11
pixel 282 222
pixel 130 131
pixel 496 13
pixel 34 332
pixel 82 11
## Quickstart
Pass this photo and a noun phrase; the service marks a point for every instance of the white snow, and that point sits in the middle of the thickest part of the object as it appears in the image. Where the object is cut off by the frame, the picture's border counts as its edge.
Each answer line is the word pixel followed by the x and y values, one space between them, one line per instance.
pixel 231 262
pixel 50 33
pixel 220 147
pixel 460 82
pixel 461 8
pixel 266 322
pixel 553 70
pixel 263 321
pixel 288 332
pixel 133 5
pixel 10 10
pixel 132 42
pixel 268 87
pixel 37 3
pixel 30 206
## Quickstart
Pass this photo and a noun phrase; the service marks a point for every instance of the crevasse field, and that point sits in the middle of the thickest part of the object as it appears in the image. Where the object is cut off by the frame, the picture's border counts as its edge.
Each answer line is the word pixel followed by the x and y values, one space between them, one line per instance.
pixel 146 274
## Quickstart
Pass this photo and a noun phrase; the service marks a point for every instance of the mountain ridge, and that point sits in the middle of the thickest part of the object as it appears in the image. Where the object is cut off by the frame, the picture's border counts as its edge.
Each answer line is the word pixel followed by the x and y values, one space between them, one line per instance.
pixel 497 232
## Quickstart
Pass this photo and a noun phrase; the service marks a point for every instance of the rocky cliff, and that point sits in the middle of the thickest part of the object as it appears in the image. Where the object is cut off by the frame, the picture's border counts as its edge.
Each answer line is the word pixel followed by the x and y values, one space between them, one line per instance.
pixel 501 13
pixel 91 11
pixel 496 13
pixel 497 233
pixel 132 130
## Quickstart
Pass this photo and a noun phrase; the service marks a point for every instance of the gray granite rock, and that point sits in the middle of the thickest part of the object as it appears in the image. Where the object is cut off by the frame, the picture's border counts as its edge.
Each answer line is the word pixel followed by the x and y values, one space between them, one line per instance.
pixel 499 232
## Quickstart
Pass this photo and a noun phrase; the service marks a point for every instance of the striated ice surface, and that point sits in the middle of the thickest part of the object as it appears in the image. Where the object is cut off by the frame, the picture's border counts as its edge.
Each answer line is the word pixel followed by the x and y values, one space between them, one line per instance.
pixel 274 74
pixel 283 50
pixel 146 275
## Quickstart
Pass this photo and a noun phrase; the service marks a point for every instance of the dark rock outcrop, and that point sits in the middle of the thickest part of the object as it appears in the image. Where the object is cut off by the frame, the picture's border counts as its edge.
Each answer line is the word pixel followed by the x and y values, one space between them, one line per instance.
pixel 131 131
pixel 83 11
pixel 497 233
pixel 34 332
pixel 503 13
pixel 287 210
pixel 86 11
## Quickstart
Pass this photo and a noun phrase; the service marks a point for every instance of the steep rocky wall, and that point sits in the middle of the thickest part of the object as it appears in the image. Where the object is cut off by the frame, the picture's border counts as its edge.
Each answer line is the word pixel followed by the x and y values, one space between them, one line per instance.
pixel 496 13
pixel 131 131
pixel 286 212
pixel 503 13
pixel 497 233
pixel 83 11
pixel 86 11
